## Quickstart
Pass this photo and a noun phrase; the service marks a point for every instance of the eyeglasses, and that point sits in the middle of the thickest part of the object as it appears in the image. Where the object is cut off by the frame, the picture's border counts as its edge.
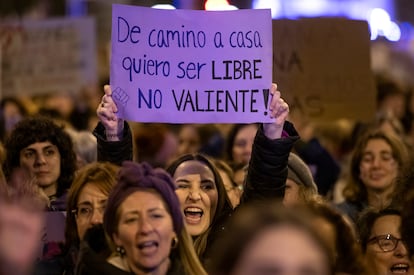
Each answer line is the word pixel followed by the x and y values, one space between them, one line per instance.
pixel 86 211
pixel 387 243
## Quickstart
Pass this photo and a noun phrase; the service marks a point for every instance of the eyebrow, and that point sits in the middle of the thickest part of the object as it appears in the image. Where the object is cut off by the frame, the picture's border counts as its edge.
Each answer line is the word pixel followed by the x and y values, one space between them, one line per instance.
pixel 203 179
pixel 155 209
pixel 382 152
pixel 148 210
pixel 182 179
pixel 49 147
pixel 42 148
pixel 103 201
pixel 88 203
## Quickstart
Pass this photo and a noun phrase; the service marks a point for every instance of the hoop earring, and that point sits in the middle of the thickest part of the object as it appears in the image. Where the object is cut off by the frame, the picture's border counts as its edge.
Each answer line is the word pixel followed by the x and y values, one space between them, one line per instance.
pixel 174 242
pixel 120 250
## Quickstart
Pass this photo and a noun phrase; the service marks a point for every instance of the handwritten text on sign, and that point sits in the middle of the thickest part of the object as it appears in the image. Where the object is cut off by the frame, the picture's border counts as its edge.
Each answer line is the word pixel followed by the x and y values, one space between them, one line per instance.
pixel 187 66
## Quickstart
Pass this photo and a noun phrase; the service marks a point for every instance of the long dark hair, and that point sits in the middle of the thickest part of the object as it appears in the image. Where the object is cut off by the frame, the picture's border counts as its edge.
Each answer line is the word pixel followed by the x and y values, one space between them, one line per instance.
pixel 223 209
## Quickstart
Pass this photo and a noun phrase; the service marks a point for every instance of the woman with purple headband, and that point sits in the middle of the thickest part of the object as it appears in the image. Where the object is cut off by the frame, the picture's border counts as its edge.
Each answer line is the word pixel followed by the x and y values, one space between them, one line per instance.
pixel 144 227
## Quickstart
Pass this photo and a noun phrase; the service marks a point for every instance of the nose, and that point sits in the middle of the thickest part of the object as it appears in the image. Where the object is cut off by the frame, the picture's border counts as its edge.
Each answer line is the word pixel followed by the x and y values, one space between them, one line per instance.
pixel 194 194
pixel 376 162
pixel 40 159
pixel 97 217
pixel 400 251
pixel 145 226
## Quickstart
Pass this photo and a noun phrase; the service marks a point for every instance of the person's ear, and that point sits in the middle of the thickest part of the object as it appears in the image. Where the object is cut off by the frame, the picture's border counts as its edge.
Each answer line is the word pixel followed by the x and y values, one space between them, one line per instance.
pixel 116 239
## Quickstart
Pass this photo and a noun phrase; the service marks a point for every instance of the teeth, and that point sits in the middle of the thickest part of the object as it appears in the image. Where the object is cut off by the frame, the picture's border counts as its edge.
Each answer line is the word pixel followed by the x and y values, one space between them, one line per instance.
pixel 147 244
pixel 193 209
pixel 400 268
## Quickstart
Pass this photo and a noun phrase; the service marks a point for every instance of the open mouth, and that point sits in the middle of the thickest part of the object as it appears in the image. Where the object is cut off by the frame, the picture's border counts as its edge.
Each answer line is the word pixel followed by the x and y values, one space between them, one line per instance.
pixel 193 214
pixel 147 245
pixel 399 268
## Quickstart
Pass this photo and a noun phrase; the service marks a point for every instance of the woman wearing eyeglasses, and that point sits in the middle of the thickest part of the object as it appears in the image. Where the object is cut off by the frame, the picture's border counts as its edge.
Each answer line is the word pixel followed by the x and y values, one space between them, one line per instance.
pixel 86 204
pixel 385 253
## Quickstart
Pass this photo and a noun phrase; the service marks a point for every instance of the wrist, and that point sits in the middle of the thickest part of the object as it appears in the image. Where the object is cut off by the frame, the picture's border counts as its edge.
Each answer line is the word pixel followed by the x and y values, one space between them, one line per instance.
pixel 114 136
pixel 272 131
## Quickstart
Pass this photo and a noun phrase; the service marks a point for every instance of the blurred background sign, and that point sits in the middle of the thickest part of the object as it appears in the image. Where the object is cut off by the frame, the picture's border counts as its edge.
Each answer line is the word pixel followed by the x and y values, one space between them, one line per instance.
pixel 323 64
pixel 47 56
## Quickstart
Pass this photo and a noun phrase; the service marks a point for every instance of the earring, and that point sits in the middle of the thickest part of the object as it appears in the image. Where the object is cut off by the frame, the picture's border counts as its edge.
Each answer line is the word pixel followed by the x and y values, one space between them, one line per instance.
pixel 174 242
pixel 120 250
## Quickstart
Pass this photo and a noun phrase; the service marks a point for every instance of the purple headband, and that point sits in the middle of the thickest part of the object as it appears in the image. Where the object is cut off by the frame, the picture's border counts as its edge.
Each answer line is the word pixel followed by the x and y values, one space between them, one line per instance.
pixel 137 176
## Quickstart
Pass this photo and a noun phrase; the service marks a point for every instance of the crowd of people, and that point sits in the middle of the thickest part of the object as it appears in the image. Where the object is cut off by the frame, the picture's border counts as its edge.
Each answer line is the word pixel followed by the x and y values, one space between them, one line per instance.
pixel 205 199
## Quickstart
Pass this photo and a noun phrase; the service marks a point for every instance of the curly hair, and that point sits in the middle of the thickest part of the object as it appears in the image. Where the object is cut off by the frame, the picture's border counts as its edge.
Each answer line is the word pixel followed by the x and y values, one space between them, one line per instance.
pixel 41 129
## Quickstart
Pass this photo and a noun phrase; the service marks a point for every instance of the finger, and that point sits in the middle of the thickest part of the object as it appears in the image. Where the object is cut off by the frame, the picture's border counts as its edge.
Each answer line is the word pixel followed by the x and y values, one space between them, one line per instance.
pixel 111 104
pixel 280 107
pixel 274 101
pixel 273 88
pixel 108 90
pixel 282 110
pixel 106 115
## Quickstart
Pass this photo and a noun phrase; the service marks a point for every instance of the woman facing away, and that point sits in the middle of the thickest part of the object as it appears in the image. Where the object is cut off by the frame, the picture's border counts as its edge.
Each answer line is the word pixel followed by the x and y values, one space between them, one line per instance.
pixel 266 238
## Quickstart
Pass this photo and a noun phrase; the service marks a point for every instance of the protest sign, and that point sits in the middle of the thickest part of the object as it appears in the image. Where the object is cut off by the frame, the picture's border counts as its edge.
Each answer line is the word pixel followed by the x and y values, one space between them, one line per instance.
pixel 324 65
pixel 47 56
pixel 191 66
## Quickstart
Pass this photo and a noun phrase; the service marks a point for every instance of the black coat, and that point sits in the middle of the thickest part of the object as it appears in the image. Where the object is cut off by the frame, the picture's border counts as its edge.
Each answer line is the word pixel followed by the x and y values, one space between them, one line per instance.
pixel 266 176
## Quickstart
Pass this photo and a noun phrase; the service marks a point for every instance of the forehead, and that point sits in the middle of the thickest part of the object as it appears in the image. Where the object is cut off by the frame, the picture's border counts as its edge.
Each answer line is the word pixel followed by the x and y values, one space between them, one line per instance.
pixel 388 224
pixel 295 247
pixel 377 144
pixel 188 131
pixel 247 131
pixel 193 167
pixel 91 191
pixel 39 145
pixel 291 183
pixel 142 200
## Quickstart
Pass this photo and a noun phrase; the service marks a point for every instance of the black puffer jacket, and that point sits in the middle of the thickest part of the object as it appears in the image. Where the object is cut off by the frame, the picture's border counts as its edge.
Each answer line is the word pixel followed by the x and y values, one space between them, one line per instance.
pixel 114 151
pixel 267 173
pixel 267 169
pixel 266 177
